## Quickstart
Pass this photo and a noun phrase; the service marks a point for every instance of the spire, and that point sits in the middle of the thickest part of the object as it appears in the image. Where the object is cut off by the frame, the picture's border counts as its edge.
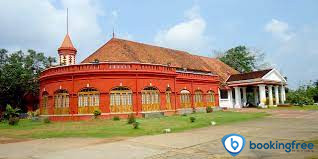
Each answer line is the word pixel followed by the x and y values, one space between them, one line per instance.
pixel 67 51
pixel 67 45
pixel 113 33
pixel 66 20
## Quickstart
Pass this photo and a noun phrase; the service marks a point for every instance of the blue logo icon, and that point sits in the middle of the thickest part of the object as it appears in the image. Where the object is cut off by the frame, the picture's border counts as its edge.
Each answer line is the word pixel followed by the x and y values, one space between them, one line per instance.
pixel 233 143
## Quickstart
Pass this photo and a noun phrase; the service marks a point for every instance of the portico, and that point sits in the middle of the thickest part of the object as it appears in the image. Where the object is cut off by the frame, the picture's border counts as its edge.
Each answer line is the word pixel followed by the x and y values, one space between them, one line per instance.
pixel 259 89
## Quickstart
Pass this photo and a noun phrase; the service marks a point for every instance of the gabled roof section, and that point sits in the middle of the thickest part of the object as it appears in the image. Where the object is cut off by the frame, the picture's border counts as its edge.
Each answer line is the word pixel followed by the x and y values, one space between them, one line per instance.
pixel 67 42
pixel 119 50
pixel 248 76
pixel 274 75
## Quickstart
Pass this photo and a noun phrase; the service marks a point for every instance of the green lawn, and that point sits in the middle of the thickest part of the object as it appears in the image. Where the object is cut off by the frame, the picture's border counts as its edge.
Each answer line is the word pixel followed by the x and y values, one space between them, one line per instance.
pixel 109 128
pixel 306 107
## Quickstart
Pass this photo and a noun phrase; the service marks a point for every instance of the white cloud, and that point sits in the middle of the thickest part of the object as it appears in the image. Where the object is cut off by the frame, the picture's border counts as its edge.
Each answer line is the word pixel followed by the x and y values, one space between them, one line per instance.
pixel 41 25
pixel 187 35
pixel 279 29
pixel 295 52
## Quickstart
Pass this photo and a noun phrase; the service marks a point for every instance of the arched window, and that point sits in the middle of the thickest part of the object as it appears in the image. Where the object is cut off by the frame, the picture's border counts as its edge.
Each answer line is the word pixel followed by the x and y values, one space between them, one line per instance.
pixel 198 99
pixel 88 100
pixel 150 99
pixel 185 99
pixel 168 99
pixel 210 99
pixel 61 102
pixel 121 100
pixel 45 100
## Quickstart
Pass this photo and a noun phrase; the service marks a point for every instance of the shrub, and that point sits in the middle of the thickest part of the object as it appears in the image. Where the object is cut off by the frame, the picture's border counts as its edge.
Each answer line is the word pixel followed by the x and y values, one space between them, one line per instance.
pixel 11 112
pixel 97 113
pixel 184 114
pixel 192 119
pixel 46 120
pixel 194 111
pixel 299 97
pixel 306 101
pixel 209 109
pixel 116 118
pixel 34 115
pixel 13 120
pixel 136 125
pixel 131 119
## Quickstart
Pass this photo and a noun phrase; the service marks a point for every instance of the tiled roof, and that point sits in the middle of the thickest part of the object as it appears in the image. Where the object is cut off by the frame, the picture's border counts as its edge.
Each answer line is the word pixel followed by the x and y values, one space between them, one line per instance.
pixel 119 50
pixel 67 42
pixel 249 75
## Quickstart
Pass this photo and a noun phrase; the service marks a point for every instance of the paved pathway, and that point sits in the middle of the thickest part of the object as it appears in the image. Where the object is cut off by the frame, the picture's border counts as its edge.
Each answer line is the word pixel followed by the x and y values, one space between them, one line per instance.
pixel 283 126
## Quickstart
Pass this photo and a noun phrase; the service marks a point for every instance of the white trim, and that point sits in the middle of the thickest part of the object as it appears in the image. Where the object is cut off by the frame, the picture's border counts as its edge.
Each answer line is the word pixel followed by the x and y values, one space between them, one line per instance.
pixel 228 77
pixel 274 70
pixel 246 81
pixel 262 79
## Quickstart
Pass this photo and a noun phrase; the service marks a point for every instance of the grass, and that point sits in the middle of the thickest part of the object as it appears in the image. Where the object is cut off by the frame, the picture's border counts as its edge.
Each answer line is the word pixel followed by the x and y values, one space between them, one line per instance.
pixel 110 128
pixel 306 107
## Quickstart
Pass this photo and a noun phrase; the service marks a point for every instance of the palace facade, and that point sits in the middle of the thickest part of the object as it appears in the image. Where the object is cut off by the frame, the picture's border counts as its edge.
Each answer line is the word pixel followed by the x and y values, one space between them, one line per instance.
pixel 124 77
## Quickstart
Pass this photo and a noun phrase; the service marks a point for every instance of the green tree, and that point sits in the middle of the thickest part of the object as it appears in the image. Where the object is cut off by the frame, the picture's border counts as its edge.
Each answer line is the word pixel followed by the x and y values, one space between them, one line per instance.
pixel 304 95
pixel 312 91
pixel 19 75
pixel 243 59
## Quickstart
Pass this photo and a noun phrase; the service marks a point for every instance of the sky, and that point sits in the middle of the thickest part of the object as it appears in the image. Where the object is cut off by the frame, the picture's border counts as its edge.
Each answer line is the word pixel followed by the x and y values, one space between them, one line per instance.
pixel 285 31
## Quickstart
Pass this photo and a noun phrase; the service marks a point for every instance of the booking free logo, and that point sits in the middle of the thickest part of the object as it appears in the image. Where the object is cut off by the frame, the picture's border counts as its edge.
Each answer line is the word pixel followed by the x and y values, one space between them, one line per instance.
pixel 234 144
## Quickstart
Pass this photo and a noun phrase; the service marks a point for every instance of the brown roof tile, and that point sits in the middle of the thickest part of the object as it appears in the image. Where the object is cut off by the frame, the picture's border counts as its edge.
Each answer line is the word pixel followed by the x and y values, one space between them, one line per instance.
pixel 67 42
pixel 119 50
pixel 249 75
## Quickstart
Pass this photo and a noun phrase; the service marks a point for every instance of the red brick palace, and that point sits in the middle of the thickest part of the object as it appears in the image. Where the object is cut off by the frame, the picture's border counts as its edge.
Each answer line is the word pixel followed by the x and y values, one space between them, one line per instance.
pixel 124 77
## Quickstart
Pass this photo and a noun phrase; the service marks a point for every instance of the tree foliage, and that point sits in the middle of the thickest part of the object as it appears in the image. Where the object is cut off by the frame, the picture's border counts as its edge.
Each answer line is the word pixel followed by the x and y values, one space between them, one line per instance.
pixel 243 59
pixel 19 73
pixel 304 95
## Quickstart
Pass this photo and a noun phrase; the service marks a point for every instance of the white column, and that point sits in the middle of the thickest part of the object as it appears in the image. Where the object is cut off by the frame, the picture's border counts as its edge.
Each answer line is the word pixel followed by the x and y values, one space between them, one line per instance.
pixel 282 94
pixel 238 102
pixel 255 95
pixel 262 95
pixel 276 95
pixel 244 96
pixel 231 98
pixel 270 95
